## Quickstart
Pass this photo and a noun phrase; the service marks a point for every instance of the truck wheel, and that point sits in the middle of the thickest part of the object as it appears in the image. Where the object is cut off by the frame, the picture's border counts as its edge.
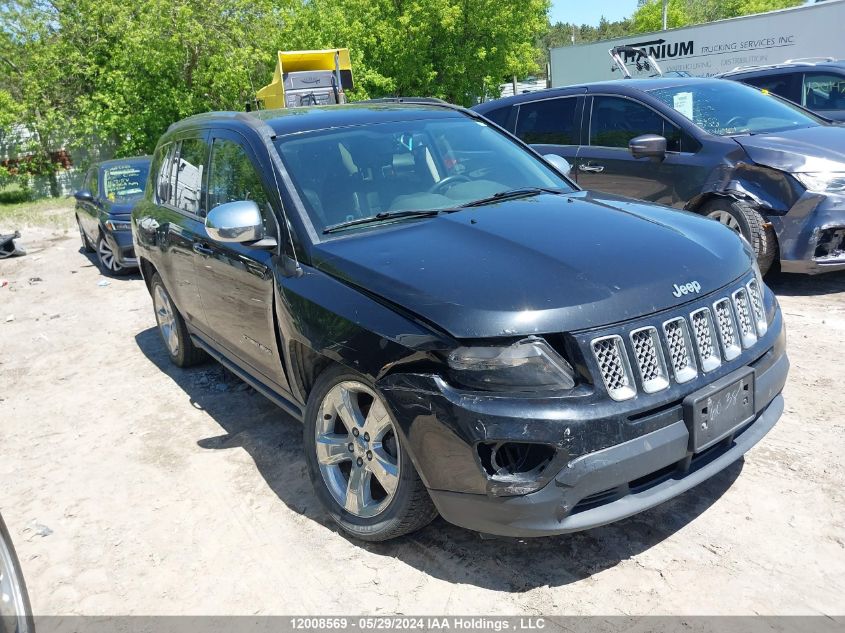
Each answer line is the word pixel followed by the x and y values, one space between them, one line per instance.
pixel 747 221
pixel 171 326
pixel 86 244
pixel 360 470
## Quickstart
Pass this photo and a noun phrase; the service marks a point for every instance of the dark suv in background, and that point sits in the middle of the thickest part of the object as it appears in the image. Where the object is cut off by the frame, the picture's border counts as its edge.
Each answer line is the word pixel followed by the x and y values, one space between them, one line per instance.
pixel 818 85
pixel 109 191
pixel 766 168
pixel 460 328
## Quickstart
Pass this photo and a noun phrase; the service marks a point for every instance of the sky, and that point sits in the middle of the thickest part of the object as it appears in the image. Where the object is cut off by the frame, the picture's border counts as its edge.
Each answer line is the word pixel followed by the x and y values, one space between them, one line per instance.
pixel 590 11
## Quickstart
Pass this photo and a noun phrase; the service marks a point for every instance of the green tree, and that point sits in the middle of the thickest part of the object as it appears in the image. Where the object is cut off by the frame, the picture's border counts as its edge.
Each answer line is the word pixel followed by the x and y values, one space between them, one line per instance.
pixel 649 15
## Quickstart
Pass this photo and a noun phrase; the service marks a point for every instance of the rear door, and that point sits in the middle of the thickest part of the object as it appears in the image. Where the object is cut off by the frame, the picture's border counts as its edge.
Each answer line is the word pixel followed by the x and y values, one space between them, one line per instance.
pixel 179 217
pixel 236 280
pixel 824 92
pixel 551 126
pixel 605 163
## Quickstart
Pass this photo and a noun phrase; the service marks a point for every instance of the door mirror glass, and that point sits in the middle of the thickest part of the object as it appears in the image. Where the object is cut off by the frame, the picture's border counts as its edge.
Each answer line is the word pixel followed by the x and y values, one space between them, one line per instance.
pixel 235 222
pixel 648 146
pixel 83 195
pixel 559 163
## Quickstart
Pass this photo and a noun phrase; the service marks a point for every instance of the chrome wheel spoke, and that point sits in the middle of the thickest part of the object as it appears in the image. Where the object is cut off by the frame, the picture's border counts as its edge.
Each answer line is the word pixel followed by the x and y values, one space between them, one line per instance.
pixel 346 405
pixel 333 448
pixel 166 320
pixel 385 469
pixel 378 421
pixel 358 495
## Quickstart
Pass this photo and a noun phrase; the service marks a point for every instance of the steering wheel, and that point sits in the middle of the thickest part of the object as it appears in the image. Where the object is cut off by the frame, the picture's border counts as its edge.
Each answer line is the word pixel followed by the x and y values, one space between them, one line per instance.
pixel 447 182
pixel 735 121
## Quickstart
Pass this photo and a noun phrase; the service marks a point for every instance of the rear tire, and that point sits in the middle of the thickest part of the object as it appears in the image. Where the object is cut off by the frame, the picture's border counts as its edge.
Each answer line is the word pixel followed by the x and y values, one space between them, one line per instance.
pixel 743 218
pixel 346 410
pixel 171 326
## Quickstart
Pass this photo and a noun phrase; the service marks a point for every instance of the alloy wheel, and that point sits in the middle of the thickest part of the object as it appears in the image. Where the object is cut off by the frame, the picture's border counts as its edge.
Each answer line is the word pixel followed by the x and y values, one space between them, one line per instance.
pixel 357 449
pixel 106 255
pixel 727 219
pixel 166 317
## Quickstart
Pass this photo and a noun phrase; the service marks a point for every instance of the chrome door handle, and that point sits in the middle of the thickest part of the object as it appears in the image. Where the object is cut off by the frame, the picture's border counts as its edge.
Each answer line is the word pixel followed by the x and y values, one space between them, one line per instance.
pixel 199 249
pixel 591 168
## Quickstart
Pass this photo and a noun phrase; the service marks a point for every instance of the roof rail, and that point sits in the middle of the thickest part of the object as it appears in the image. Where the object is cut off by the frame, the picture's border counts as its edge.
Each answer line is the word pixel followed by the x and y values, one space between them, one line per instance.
pixel 249 118
pixel 810 59
pixel 642 59
pixel 431 100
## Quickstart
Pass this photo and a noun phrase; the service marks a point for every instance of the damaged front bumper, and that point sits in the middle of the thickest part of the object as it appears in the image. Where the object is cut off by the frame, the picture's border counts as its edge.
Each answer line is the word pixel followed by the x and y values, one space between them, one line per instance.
pixel 812 234
pixel 611 460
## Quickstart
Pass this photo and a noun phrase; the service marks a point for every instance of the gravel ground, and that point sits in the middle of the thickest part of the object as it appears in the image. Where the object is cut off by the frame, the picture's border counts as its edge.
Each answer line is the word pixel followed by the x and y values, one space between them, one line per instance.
pixel 133 487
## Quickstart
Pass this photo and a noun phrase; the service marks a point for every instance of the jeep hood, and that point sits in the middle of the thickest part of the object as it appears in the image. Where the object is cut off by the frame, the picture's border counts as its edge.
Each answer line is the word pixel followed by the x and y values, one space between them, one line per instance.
pixel 812 149
pixel 551 263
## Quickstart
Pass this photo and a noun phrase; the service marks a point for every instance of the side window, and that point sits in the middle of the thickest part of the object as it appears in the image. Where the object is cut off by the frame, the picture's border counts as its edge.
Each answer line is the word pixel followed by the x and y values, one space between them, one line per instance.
pixel 780 85
pixel 615 121
pixel 91 182
pixel 233 177
pixel 189 170
pixel 549 122
pixel 823 91
pixel 499 116
pixel 163 173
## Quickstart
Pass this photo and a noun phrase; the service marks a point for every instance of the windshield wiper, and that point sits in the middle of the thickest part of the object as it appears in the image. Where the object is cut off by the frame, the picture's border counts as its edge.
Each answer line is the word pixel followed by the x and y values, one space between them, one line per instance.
pixel 511 194
pixel 384 216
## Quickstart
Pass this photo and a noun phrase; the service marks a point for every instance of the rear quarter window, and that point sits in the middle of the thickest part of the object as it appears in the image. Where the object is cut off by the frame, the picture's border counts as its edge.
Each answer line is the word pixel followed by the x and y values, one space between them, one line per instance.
pixel 499 116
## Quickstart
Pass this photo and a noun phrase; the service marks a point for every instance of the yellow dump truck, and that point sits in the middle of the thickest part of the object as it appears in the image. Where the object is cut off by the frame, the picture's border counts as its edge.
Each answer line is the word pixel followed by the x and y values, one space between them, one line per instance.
pixel 305 78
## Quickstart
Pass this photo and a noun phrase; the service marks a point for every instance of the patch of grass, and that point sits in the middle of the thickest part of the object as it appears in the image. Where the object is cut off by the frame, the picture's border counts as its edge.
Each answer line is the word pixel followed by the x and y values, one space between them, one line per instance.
pixel 48 212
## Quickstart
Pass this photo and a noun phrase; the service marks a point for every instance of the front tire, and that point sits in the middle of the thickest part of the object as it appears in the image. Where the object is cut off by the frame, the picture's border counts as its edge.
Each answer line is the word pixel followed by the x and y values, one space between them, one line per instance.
pixel 171 326
pixel 743 218
pixel 107 258
pixel 361 471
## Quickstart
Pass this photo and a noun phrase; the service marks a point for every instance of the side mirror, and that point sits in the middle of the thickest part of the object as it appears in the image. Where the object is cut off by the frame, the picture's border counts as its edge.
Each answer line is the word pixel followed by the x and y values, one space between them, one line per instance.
pixel 235 222
pixel 559 163
pixel 648 146
pixel 83 195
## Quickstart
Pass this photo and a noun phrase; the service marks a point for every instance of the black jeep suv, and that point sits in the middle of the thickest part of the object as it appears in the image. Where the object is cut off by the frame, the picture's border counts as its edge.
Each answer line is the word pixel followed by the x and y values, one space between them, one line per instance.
pixel 766 168
pixel 460 328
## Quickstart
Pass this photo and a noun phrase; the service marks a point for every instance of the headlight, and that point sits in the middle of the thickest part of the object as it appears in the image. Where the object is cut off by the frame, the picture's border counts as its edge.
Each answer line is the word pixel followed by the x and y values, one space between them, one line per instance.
pixel 112 225
pixel 823 181
pixel 527 365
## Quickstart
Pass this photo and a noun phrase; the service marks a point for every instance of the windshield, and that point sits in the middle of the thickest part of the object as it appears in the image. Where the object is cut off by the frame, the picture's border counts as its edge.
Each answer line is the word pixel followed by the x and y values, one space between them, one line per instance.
pixel 726 107
pixel 125 182
pixel 346 174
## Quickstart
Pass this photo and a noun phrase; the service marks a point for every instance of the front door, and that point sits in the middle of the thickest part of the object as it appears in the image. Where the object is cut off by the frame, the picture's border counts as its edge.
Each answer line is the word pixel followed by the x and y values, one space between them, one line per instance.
pixel 552 126
pixel 236 280
pixel 606 164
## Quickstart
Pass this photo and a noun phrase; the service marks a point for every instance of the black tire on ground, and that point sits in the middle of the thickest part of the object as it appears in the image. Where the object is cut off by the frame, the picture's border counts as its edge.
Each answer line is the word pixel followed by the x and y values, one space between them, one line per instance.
pixel 86 243
pixel 107 261
pixel 410 508
pixel 752 225
pixel 174 335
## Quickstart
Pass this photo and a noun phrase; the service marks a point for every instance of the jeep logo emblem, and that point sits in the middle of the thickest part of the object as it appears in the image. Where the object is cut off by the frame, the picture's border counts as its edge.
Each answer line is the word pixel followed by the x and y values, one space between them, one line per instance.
pixel 686 289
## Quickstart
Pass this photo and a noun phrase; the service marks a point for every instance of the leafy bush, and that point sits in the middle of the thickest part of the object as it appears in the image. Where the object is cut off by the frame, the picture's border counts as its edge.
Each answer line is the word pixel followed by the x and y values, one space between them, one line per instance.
pixel 15 196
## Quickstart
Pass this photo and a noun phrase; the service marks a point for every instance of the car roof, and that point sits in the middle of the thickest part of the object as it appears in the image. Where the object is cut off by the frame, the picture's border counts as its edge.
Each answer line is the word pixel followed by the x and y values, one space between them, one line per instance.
pixel 619 86
pixel 294 120
pixel 131 160
pixel 824 64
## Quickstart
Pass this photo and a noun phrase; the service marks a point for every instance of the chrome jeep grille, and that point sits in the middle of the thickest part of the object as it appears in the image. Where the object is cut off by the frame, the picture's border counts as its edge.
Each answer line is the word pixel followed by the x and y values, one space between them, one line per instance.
pixel 649 359
pixel 727 328
pixel 757 307
pixel 703 340
pixel 614 366
pixel 680 349
pixel 743 318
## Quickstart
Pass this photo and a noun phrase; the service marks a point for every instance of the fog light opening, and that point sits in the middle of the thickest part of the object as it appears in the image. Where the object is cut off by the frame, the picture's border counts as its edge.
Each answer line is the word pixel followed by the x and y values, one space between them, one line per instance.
pixel 506 460
pixel 831 243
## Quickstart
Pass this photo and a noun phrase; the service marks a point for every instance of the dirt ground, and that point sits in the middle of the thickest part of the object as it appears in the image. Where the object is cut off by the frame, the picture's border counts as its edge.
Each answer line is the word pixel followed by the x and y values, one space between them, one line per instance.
pixel 133 487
